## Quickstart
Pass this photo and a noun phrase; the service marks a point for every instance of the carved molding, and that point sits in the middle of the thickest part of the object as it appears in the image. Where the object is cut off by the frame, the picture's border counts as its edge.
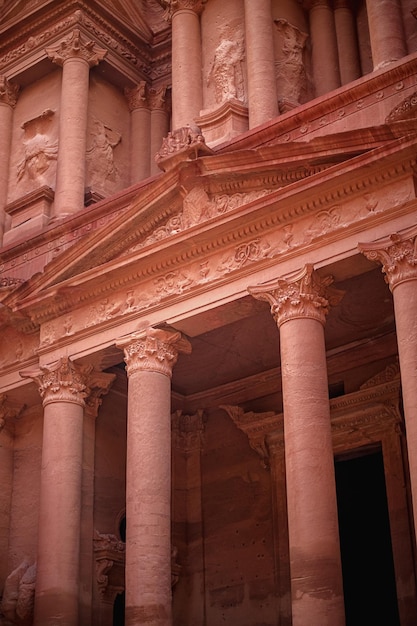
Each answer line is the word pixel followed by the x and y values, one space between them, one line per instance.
pixel 304 295
pixel 172 6
pixel 154 350
pixel 76 46
pixel 405 110
pixel 8 91
pixel 63 381
pixel 397 254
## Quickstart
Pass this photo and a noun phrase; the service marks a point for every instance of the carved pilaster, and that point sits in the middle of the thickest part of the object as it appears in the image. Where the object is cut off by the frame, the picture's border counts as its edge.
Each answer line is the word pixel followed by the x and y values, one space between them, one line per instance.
pixel 137 97
pixel 76 46
pixel 154 350
pixel 99 384
pixel 8 410
pixel 172 6
pixel 397 255
pixel 63 381
pixel 8 91
pixel 303 295
pixel 188 431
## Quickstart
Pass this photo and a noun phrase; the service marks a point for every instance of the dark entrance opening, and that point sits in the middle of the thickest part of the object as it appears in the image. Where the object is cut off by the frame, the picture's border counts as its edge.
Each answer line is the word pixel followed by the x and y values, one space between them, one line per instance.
pixel 119 610
pixel 365 540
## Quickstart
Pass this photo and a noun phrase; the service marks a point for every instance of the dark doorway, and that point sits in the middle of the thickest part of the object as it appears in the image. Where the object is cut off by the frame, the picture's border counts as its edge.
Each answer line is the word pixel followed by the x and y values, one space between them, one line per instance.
pixel 365 538
pixel 119 610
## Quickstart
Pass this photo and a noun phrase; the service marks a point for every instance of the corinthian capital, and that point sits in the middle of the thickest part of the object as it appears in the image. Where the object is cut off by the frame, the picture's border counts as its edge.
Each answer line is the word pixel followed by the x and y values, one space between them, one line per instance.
pixel 63 381
pixel 172 6
pixel 137 97
pixel 75 46
pixel 397 255
pixel 154 350
pixel 8 91
pixel 304 295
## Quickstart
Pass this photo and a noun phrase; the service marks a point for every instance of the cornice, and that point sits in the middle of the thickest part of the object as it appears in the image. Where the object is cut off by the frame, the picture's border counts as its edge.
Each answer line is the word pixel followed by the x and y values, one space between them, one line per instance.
pixel 242 233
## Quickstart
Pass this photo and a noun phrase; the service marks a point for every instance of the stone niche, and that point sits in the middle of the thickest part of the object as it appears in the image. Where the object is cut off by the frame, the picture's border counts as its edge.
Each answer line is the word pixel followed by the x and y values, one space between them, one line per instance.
pixel 224 114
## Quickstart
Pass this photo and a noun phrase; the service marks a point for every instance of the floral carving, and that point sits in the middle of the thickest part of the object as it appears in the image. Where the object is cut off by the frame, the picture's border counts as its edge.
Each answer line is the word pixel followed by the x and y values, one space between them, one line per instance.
pixel 76 46
pixel 188 431
pixel 305 294
pixel 397 255
pixel 64 381
pixel 171 283
pixel 154 350
pixel 8 91
pixel 246 253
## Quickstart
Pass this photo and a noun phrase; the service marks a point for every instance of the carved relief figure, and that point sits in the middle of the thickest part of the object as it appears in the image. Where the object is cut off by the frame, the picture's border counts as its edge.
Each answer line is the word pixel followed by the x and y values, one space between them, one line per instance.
pixel 17 604
pixel 290 70
pixel 100 154
pixel 39 149
pixel 226 69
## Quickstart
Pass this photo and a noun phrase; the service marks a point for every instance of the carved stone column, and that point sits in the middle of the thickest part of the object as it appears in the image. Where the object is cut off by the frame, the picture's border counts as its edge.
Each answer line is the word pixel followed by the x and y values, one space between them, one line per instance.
pixel 347 41
pixel 398 257
pixel 187 89
pixel 187 518
pixel 262 90
pixel 63 387
pixel 8 411
pixel 8 99
pixel 323 46
pixel 299 305
pixel 99 384
pixel 150 357
pixel 159 123
pixel 140 135
pixel 76 55
pixel 386 31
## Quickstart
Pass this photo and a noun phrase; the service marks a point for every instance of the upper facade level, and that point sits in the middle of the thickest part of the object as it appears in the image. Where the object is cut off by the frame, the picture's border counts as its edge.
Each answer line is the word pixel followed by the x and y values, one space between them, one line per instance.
pixel 92 91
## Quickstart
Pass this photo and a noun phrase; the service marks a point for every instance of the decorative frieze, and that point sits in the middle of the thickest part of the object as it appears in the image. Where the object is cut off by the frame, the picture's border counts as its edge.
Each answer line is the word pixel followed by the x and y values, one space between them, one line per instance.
pixel 154 350
pixel 397 254
pixel 76 46
pixel 303 295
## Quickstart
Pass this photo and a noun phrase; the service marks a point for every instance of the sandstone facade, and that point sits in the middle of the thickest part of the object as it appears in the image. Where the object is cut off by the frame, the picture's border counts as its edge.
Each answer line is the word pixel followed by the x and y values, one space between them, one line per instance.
pixel 208 302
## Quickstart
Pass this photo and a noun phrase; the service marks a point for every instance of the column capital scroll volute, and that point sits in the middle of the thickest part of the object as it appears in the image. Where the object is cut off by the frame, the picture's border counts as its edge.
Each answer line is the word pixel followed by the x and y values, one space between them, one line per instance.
pixel 61 381
pixel 397 254
pixel 153 350
pixel 99 384
pixel 76 46
pixel 305 294
pixel 137 96
pixel 8 91
pixel 172 6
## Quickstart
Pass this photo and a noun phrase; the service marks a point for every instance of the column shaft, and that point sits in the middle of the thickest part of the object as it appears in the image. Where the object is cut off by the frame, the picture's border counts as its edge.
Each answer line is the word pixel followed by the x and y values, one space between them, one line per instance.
pixel 311 492
pixel 386 31
pixel 140 148
pixel 262 90
pixel 324 47
pixel 347 42
pixel 56 599
pixel 70 181
pixel 159 130
pixel 187 93
pixel 8 95
pixel 150 357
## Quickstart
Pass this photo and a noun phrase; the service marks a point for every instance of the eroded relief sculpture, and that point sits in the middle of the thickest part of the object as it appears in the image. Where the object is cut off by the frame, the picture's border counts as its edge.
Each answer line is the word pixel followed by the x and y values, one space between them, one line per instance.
pixel 290 70
pixel 100 154
pixel 39 150
pixel 226 72
pixel 17 604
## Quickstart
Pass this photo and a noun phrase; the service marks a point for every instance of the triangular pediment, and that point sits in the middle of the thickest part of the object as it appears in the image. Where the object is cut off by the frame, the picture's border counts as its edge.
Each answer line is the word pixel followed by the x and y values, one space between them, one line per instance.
pixel 205 198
